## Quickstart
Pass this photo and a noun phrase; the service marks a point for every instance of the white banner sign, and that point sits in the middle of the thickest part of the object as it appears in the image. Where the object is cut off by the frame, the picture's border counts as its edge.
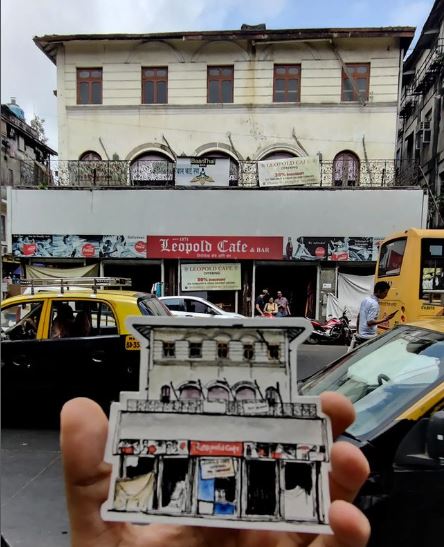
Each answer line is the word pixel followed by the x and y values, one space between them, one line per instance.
pixel 289 172
pixel 202 172
pixel 210 277
pixel 217 468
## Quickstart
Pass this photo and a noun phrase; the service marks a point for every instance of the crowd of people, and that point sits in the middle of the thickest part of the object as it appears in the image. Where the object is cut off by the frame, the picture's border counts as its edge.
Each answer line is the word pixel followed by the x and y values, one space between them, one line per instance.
pixel 267 306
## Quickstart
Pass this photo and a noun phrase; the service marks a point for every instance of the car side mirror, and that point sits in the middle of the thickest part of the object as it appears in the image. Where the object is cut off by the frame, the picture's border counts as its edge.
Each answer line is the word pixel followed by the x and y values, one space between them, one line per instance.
pixel 435 436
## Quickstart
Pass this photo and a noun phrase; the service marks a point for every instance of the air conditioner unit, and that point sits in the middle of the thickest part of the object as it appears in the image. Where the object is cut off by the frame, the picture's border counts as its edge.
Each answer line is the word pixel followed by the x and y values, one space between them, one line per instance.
pixel 423 130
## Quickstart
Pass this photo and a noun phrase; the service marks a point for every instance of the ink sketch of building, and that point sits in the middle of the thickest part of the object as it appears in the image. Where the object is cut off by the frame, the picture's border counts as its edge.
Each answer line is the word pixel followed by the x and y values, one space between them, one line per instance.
pixel 217 435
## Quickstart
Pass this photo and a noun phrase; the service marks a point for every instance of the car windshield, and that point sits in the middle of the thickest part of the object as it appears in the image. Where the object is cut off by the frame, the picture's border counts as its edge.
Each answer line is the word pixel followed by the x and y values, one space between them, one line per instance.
pixel 385 376
pixel 152 306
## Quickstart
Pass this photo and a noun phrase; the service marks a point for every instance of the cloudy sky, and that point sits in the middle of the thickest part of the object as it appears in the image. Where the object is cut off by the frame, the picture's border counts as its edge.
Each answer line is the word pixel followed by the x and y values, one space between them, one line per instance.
pixel 28 75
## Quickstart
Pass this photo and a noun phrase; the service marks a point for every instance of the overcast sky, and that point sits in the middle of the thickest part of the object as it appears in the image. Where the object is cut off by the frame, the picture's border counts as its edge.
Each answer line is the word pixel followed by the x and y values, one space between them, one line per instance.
pixel 28 75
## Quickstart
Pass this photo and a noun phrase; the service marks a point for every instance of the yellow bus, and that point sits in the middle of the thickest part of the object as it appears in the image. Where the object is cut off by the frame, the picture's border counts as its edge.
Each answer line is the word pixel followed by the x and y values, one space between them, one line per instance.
pixel 412 262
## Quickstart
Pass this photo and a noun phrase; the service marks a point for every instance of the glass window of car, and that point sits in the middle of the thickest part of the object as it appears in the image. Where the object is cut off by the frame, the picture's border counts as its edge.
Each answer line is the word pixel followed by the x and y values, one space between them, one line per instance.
pixel 149 305
pixel 385 376
pixel 20 322
pixel 79 318
pixel 174 304
pixel 201 307
pixel 390 258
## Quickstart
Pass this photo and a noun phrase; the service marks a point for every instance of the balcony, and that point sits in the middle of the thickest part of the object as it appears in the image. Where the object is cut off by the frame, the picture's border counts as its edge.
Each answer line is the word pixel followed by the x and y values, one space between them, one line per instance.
pixel 244 174
pixel 424 78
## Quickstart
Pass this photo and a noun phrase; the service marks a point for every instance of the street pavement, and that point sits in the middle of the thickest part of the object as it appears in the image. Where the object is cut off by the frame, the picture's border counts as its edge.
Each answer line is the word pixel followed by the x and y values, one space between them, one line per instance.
pixel 33 503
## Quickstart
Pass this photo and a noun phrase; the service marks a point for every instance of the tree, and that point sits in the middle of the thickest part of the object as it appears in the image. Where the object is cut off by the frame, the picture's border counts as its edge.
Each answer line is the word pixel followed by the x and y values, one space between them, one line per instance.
pixel 37 125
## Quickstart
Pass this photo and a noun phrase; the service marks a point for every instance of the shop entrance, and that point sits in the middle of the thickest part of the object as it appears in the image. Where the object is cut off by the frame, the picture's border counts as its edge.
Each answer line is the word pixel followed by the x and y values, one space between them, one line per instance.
pixel 296 281
pixel 261 487
pixel 299 491
pixel 174 481
pixel 143 276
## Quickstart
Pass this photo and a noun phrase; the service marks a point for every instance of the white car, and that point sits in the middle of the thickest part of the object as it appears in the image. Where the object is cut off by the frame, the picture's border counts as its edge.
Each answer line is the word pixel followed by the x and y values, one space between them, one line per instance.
pixel 193 306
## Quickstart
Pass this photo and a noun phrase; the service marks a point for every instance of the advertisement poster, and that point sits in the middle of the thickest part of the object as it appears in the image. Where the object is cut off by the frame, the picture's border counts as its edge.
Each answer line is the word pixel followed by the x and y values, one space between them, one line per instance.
pixel 332 248
pixel 216 468
pixel 74 246
pixel 289 172
pixel 210 277
pixel 215 247
pixel 202 172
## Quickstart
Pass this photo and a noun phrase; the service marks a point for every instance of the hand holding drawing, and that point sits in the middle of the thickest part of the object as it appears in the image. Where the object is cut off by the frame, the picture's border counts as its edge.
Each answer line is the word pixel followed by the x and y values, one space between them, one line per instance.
pixel 83 436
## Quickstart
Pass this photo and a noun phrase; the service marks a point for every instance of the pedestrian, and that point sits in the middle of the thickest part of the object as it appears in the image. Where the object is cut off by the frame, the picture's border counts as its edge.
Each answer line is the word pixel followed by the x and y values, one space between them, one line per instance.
pixel 369 311
pixel 270 308
pixel 261 300
pixel 283 306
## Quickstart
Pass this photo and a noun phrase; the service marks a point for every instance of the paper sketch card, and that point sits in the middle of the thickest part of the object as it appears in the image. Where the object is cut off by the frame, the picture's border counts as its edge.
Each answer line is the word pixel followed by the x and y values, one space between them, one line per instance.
pixel 217 435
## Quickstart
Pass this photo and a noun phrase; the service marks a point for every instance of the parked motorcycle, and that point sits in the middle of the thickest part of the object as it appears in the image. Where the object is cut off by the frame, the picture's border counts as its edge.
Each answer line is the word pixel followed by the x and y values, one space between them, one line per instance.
pixel 334 331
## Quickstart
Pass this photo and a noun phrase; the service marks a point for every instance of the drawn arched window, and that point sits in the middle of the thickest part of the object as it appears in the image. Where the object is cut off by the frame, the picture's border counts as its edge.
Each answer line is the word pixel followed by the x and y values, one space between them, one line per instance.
pixel 165 394
pixel 90 155
pixel 218 392
pixel 190 392
pixel 245 393
pixel 152 169
pixel 233 165
pixel 346 169
pixel 272 395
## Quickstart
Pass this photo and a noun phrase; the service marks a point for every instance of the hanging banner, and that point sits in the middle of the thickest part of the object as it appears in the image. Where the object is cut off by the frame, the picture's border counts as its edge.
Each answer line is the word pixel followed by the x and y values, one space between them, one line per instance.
pixel 332 248
pixel 289 172
pixel 216 468
pixel 202 172
pixel 210 277
pixel 73 246
pixel 215 247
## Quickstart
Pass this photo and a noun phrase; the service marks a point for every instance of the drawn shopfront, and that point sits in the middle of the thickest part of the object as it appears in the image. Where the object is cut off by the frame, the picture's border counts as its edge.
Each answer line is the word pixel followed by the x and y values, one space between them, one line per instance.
pixel 219 458
pixel 214 473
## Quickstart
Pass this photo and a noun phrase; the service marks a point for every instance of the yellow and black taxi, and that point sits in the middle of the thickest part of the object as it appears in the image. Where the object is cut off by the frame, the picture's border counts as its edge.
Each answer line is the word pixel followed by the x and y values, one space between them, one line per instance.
pixel 396 384
pixel 60 342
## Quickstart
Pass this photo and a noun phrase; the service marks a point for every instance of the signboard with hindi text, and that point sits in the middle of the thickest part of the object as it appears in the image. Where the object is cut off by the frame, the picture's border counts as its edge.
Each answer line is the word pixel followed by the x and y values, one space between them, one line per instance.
pixel 207 172
pixel 290 172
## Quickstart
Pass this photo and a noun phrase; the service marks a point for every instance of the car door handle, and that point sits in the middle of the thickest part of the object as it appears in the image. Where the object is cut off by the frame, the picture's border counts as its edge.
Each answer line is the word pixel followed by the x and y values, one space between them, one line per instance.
pixel 22 361
pixel 98 357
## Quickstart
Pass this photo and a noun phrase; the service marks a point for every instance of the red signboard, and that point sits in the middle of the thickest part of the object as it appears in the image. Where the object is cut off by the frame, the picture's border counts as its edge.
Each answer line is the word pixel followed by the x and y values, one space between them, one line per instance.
pixel 216 448
pixel 215 247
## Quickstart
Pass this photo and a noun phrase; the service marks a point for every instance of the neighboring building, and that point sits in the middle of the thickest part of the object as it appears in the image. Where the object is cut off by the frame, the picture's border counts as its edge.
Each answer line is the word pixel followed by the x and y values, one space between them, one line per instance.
pixel 25 162
pixel 176 135
pixel 421 125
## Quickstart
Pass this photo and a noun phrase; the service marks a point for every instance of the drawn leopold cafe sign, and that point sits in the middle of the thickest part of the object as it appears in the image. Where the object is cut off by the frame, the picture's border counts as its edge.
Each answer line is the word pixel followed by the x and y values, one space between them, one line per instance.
pixel 215 247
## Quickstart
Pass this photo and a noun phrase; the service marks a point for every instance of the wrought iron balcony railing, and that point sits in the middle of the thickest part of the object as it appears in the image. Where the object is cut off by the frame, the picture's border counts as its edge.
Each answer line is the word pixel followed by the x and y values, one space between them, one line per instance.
pixel 159 173
pixel 424 77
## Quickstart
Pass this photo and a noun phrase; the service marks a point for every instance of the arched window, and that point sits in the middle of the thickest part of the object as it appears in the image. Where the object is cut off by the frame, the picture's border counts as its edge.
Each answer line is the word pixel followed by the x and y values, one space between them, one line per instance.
pixel 279 155
pixel 245 393
pixel 190 392
pixel 152 169
pixel 233 169
pixel 218 392
pixel 346 169
pixel 90 155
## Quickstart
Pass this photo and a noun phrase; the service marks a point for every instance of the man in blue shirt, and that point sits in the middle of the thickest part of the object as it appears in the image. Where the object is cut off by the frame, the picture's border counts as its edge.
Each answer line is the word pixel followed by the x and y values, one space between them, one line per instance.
pixel 369 311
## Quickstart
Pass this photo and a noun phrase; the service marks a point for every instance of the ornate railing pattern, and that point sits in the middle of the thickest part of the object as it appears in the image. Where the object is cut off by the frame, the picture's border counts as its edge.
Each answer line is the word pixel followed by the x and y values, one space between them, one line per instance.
pixel 155 173
pixel 234 408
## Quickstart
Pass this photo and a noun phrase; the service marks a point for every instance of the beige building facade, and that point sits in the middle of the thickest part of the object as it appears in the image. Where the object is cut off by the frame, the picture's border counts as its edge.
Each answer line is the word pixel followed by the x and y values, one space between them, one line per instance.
pixel 138 113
